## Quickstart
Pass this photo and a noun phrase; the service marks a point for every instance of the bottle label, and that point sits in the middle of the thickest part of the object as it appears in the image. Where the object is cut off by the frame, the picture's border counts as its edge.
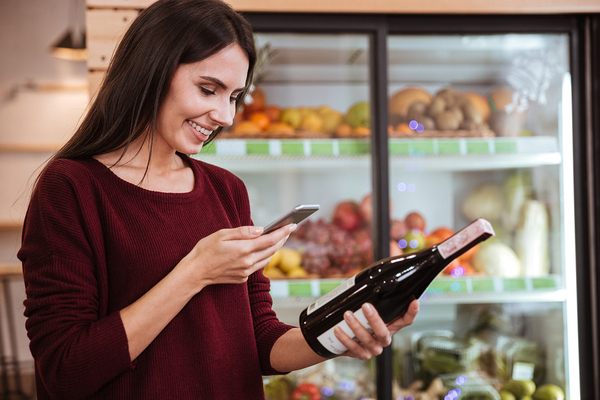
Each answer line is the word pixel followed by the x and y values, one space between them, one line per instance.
pixel 464 237
pixel 331 342
pixel 331 295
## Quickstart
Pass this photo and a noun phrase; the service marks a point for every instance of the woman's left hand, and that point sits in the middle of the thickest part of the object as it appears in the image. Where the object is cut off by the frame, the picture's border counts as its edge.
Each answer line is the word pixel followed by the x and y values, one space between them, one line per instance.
pixel 372 344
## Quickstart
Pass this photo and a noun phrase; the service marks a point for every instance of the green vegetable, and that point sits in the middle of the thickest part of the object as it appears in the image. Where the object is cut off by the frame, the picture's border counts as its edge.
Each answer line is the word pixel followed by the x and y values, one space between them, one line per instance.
pixel 532 239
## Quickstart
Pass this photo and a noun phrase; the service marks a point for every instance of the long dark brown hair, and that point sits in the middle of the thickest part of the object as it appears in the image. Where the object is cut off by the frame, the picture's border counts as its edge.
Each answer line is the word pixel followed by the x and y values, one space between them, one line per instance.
pixel 164 35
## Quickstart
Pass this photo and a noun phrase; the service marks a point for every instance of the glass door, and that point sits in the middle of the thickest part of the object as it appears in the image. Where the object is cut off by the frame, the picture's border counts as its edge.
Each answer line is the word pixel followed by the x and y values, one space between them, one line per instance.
pixel 481 126
pixel 304 137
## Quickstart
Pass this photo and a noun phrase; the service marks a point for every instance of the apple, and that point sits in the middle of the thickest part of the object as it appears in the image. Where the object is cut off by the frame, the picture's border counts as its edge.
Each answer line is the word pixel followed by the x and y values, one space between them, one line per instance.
pixel 413 241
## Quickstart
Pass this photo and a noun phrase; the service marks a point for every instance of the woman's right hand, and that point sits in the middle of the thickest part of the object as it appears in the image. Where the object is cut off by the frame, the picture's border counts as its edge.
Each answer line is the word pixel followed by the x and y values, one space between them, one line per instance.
pixel 232 255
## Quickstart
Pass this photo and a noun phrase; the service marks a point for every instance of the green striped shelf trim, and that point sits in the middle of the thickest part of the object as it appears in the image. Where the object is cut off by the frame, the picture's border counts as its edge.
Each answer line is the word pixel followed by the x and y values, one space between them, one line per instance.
pixel 440 286
pixel 396 147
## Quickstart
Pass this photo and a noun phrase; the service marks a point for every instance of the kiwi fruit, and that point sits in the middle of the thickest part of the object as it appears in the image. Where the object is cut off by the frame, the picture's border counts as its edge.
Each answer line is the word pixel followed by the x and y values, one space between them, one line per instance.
pixel 416 110
pixel 449 94
pixel 437 106
pixel 469 125
pixel 428 123
pixel 447 120
pixel 396 119
pixel 471 113
pixel 457 112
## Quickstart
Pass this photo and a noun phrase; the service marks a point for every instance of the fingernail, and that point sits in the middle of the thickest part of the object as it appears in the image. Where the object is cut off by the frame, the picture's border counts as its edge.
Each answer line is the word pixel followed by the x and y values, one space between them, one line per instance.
pixel 368 309
pixel 416 306
pixel 293 228
pixel 258 230
pixel 349 316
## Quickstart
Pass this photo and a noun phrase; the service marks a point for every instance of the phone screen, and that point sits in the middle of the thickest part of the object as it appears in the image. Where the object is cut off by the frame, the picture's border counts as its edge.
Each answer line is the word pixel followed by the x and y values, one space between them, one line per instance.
pixel 297 215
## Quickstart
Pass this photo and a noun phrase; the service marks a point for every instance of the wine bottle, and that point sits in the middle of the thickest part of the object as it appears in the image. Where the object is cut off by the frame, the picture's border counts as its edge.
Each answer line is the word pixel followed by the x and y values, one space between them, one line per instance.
pixel 389 285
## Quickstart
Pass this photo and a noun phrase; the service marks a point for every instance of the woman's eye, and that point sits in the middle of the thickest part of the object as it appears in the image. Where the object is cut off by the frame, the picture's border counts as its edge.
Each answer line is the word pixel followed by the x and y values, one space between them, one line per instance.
pixel 207 92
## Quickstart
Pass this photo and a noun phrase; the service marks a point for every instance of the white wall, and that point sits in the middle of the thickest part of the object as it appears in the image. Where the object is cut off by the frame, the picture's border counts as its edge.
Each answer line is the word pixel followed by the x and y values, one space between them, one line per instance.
pixel 34 117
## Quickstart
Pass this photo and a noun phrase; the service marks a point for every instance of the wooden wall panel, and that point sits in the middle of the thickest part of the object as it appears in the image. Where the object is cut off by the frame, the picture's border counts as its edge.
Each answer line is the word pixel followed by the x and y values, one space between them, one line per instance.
pixel 392 6
pixel 104 29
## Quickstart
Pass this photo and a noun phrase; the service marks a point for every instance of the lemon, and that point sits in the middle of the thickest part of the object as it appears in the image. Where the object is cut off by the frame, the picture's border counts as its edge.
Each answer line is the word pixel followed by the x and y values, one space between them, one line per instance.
pixel 290 259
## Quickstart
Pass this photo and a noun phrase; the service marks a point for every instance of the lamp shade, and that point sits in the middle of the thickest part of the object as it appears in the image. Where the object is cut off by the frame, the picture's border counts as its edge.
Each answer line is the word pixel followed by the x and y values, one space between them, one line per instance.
pixel 70 46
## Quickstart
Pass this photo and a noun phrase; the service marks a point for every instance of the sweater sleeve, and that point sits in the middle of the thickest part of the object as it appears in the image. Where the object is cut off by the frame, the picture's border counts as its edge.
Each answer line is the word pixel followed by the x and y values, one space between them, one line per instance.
pixel 267 328
pixel 77 348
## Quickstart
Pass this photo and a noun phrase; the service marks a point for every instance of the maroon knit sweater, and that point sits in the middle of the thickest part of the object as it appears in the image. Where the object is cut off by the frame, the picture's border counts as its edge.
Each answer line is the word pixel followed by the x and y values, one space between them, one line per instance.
pixel 93 244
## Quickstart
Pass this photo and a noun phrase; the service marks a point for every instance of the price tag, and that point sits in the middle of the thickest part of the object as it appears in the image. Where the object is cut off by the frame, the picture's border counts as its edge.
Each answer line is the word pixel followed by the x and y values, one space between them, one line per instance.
pixel 523 371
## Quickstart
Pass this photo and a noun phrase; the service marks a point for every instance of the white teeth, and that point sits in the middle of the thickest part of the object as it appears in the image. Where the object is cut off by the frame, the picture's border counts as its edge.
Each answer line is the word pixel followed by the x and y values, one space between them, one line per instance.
pixel 200 129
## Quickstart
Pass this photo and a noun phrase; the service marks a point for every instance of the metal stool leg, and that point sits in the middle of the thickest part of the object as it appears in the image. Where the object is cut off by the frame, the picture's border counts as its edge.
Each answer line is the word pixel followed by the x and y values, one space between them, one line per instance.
pixel 3 366
pixel 12 336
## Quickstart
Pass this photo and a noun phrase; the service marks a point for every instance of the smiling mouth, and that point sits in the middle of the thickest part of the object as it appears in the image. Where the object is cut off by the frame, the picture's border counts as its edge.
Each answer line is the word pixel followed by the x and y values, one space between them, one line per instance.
pixel 200 129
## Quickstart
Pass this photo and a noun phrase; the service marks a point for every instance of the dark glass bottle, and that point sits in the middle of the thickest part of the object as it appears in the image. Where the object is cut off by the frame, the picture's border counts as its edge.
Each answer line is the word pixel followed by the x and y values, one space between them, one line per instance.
pixel 389 285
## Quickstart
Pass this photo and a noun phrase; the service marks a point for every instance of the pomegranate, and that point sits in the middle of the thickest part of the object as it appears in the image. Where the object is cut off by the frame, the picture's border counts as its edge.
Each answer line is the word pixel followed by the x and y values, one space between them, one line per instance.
pixel 346 215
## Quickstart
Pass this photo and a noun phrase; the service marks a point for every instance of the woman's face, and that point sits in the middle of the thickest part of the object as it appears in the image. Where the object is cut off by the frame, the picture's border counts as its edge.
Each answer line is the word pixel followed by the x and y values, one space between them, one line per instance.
pixel 202 97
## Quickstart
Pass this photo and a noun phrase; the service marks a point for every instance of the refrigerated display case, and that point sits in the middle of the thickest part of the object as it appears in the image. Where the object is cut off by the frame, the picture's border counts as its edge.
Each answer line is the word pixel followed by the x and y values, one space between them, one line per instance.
pixel 404 129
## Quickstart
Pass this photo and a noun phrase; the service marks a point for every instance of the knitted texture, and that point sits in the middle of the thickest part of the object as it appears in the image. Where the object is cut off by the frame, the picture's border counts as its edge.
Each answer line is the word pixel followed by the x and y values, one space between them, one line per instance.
pixel 93 244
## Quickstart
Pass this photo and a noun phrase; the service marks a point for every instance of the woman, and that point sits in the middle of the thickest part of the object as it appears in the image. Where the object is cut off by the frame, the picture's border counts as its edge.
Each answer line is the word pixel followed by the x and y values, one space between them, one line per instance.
pixel 142 266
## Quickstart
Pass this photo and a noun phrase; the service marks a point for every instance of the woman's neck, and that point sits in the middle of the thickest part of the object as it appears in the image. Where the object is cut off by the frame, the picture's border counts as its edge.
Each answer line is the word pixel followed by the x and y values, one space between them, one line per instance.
pixel 166 171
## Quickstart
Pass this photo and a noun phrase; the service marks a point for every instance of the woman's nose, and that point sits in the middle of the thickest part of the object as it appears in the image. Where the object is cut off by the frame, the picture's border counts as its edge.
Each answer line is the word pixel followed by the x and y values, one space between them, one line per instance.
pixel 224 114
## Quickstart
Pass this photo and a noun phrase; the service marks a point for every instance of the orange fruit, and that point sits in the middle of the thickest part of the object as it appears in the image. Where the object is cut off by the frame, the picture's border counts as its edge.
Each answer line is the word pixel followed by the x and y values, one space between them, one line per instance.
pixel 261 119
pixel 246 127
pixel 280 127
pixel 344 130
pixel 361 131
pixel 468 255
pixel 273 112
pixel 404 128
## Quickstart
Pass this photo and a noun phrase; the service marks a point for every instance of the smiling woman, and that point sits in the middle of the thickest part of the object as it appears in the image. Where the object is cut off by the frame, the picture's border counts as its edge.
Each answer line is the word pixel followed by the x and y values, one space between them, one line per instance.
pixel 202 95
pixel 142 267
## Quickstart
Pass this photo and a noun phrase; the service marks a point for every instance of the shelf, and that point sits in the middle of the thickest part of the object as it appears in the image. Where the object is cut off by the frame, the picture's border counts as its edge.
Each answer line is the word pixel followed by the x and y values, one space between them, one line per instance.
pixel 442 290
pixel 29 147
pixel 10 224
pixel 426 154
pixel 10 269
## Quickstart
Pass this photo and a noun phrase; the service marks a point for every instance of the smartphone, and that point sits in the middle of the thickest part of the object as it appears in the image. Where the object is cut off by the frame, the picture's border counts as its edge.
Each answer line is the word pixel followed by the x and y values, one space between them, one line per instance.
pixel 297 215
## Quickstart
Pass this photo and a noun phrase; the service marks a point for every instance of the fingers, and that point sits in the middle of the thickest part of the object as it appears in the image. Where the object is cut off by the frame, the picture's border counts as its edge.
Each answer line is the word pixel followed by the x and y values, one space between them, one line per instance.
pixel 371 333
pixel 367 343
pixel 253 232
pixel 242 232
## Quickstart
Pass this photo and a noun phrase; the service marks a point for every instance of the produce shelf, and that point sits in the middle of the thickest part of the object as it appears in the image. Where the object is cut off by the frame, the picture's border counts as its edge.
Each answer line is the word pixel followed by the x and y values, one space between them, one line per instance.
pixel 424 154
pixel 475 289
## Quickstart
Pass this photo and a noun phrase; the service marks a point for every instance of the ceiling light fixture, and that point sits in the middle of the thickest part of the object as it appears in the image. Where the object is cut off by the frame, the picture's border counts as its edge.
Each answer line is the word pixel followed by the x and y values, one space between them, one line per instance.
pixel 71 45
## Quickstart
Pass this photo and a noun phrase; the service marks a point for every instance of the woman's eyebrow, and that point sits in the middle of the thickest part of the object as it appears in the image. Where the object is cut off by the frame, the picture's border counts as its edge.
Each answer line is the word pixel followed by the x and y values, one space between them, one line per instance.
pixel 220 83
